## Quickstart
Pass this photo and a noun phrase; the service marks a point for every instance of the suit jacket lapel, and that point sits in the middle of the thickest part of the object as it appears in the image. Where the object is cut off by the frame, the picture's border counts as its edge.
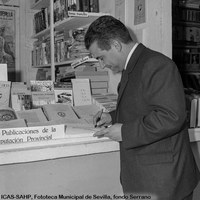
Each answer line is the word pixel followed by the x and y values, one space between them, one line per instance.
pixel 131 64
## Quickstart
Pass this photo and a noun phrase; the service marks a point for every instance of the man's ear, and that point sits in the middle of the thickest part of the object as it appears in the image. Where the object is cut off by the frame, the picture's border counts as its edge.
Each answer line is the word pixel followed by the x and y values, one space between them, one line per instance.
pixel 117 45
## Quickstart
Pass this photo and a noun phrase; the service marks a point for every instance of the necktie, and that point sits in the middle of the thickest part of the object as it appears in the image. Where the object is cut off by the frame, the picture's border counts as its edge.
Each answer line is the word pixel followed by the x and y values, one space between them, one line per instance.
pixel 118 87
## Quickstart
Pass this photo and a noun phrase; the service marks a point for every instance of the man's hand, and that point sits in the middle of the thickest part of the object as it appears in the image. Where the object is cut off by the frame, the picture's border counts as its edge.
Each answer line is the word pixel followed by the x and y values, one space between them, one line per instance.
pixel 113 132
pixel 102 119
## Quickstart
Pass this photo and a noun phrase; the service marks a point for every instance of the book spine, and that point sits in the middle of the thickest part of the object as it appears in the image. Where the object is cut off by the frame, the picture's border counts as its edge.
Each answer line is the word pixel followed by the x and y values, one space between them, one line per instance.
pixel 193 113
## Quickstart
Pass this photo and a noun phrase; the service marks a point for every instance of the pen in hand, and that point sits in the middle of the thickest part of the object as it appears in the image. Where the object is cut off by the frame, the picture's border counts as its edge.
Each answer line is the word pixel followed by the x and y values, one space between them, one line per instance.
pixel 98 118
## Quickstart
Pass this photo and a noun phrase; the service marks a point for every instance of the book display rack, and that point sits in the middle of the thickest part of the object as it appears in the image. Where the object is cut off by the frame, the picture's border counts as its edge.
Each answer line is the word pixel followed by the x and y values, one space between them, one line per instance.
pixel 59 27
pixel 186 40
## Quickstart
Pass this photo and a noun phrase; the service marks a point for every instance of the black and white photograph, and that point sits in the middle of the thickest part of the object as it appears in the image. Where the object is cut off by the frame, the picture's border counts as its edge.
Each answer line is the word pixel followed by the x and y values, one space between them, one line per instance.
pixel 100 99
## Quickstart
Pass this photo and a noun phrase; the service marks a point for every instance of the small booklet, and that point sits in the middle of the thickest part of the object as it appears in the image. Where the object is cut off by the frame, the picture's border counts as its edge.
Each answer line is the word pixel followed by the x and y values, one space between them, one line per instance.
pixel 20 96
pixel 32 116
pixel 13 123
pixel 7 114
pixel 5 93
pixel 42 93
pixel 81 92
pixel 59 111
pixel 86 112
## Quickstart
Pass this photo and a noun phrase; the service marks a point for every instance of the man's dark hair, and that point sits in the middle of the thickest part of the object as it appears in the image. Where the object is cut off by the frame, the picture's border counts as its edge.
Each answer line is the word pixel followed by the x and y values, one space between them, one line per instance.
pixel 105 29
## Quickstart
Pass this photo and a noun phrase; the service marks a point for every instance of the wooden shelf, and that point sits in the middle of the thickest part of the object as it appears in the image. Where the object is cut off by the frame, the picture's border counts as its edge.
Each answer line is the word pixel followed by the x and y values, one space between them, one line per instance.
pixel 74 21
pixel 192 73
pixel 67 62
pixel 71 23
pixel 189 7
pixel 182 45
pixel 187 23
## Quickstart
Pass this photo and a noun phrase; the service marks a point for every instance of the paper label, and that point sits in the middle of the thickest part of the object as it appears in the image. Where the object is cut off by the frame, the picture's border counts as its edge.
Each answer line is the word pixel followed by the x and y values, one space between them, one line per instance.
pixel 31 134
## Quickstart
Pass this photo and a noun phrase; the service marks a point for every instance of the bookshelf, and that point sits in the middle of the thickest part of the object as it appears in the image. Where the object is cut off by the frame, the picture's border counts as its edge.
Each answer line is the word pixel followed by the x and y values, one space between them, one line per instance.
pixel 71 20
pixel 186 41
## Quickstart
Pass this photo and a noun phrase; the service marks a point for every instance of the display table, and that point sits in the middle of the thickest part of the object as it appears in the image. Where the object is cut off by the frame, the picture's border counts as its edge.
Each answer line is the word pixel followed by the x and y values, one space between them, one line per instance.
pixel 66 167
pixel 60 148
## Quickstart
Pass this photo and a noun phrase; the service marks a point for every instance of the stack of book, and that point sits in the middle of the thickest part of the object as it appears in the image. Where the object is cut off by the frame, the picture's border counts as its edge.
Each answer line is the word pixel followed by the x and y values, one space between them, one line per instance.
pixel 68 45
pixel 107 102
pixel 98 80
pixel 41 54
pixel 78 49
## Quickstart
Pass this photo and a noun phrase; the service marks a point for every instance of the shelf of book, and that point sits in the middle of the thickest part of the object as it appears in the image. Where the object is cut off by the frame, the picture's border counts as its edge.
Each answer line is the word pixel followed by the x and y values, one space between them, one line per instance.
pixel 54 24
pixel 41 33
pixel 186 39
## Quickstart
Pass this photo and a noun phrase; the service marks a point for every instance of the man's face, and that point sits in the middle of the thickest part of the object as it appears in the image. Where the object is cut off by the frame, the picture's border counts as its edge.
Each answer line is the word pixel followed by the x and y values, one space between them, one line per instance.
pixel 107 58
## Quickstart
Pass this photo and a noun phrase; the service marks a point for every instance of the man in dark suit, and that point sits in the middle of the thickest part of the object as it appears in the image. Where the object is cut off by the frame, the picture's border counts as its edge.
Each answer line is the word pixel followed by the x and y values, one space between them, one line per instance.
pixel 150 118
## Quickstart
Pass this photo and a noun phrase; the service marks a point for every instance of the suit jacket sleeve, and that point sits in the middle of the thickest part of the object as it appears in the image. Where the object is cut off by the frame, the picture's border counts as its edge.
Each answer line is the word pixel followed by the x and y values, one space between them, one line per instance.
pixel 164 96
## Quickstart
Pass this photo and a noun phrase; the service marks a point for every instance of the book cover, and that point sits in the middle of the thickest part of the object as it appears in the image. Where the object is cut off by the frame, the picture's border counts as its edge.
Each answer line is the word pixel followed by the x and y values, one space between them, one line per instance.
pixel 13 123
pixel 7 114
pixel 20 96
pixel 59 111
pixel 32 116
pixel 81 92
pixel 63 93
pixel 5 93
pixel 42 93
pixel 80 123
pixel 41 86
pixel 21 101
pixel 64 96
pixel 86 112
pixel 4 72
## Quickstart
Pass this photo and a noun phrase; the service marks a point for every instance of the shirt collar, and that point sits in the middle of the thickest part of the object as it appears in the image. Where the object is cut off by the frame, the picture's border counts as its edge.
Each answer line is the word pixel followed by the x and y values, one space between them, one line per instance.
pixel 130 54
